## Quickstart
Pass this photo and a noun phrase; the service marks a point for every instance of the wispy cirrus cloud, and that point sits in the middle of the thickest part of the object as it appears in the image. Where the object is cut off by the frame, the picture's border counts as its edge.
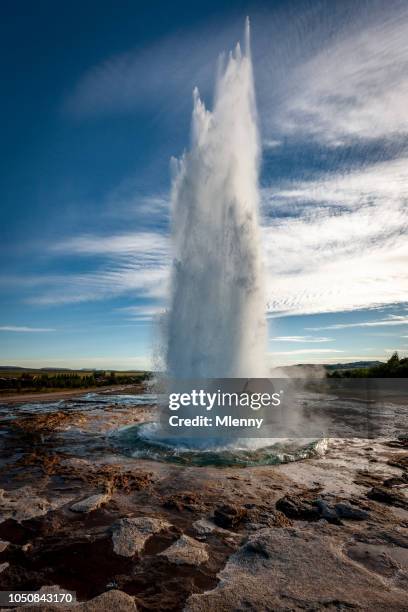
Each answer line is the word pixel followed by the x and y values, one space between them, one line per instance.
pixel 146 245
pixel 161 75
pixel 301 339
pixel 328 258
pixel 346 249
pixel 356 84
pixel 135 263
pixel 108 282
pixel 145 312
pixel 308 352
pixel 391 320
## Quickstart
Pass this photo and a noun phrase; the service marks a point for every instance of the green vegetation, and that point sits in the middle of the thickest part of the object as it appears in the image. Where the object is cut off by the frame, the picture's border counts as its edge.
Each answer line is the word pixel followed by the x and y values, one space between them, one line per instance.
pixel 393 368
pixel 16 380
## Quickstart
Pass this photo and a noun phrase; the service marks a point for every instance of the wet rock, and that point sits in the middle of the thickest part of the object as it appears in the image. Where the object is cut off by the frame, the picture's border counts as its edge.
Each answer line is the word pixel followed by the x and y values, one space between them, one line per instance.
pixel 229 516
pixel 388 496
pixel 47 422
pixel 312 510
pixel 186 551
pixel 296 569
pixel 327 512
pixel 129 535
pixel 90 503
pixel 298 508
pixel 347 511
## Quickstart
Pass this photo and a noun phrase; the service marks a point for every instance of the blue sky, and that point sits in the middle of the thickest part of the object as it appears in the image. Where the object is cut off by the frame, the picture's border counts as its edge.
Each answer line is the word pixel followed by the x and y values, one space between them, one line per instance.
pixel 96 100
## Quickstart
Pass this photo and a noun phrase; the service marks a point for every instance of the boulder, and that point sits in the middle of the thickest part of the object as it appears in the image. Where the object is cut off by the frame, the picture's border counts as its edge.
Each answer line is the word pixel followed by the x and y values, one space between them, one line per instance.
pixel 298 508
pixel 347 511
pixel 129 535
pixel 186 551
pixel 327 512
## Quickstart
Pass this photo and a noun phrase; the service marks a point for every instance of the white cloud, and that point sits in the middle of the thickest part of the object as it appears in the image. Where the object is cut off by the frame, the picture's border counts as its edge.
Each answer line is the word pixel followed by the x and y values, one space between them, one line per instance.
pixel 136 263
pixel 106 283
pixel 24 329
pixel 147 245
pixel 270 143
pixel 307 352
pixel 144 312
pixel 301 339
pixel 402 352
pixel 347 250
pixel 356 85
pixel 390 321
pixel 335 74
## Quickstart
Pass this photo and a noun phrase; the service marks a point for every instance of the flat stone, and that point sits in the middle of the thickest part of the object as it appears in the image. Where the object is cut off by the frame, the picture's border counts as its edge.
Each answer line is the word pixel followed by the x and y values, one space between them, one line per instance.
pixel 293 569
pixel 186 551
pixel 90 503
pixel 106 602
pixel 129 535
pixel 204 527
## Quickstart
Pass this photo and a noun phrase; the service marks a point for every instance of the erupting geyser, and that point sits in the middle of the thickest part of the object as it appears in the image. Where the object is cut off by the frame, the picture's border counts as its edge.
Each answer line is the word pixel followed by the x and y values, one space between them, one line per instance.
pixel 216 325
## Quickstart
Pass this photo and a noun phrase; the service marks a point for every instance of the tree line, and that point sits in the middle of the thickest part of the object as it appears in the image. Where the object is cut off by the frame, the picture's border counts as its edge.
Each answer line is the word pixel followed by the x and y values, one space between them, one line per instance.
pixel 69 380
pixel 393 368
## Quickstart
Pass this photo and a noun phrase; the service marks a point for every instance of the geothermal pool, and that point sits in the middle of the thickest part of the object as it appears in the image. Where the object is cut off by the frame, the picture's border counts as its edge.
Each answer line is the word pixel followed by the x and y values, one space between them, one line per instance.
pixel 120 424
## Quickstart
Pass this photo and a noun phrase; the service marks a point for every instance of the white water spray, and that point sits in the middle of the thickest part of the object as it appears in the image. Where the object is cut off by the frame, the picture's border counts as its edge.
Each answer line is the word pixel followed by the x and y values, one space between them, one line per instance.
pixel 216 325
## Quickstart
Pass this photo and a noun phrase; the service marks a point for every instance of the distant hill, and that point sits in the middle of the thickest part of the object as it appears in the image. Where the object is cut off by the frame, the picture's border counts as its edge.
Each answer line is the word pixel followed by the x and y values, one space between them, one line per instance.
pixel 314 370
pixel 4 368
pixel 51 369
pixel 352 366
pixel 304 369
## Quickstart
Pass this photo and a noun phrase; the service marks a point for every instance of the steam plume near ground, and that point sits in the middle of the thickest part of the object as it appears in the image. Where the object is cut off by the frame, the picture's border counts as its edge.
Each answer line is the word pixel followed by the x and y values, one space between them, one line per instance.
pixel 216 323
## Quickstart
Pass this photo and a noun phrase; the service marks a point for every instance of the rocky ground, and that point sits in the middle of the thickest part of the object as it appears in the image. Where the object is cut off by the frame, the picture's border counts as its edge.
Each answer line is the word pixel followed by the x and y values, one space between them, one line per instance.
pixel 329 533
